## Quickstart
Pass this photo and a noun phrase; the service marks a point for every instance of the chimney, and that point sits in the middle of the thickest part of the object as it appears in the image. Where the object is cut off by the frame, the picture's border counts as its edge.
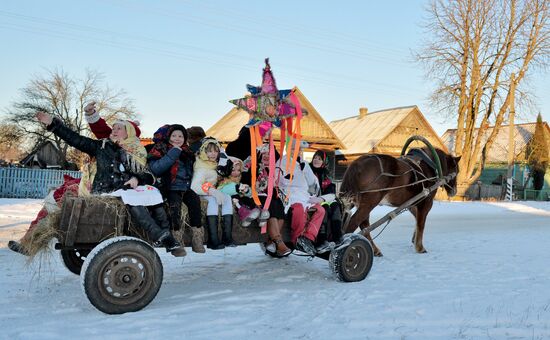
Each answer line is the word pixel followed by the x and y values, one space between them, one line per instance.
pixel 363 112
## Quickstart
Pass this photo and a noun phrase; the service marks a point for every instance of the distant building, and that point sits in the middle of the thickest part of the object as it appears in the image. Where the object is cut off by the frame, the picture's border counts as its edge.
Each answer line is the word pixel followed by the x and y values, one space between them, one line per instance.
pixel 45 155
pixel 496 167
pixel 384 131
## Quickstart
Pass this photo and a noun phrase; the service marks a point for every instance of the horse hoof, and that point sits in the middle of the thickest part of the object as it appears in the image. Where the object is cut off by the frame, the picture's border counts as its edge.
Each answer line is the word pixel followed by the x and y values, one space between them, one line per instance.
pixel 378 254
pixel 422 251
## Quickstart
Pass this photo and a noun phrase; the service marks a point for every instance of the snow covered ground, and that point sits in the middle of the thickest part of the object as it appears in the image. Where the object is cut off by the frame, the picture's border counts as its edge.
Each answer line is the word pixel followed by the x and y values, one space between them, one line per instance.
pixel 486 275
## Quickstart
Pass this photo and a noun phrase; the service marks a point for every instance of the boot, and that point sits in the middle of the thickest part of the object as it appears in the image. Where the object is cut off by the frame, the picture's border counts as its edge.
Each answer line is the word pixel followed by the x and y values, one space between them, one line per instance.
pixel 248 215
pixel 173 246
pixel 227 237
pixel 306 245
pixel 141 217
pixel 213 240
pixel 17 247
pixel 197 240
pixel 281 250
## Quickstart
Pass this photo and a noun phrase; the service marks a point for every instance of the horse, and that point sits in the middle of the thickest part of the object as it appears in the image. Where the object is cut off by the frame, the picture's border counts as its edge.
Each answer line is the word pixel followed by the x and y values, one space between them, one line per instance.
pixel 378 179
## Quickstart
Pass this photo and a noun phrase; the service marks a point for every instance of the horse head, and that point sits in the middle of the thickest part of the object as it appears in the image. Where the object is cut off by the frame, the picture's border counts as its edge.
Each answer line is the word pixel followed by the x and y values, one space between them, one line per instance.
pixel 449 165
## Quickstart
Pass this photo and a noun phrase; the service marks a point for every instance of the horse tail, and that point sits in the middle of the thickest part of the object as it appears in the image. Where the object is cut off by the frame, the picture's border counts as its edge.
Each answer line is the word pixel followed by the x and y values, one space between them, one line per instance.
pixel 349 189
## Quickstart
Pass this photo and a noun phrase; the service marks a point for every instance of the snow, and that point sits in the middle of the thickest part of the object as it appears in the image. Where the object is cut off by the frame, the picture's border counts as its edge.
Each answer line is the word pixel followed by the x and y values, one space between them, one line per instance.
pixel 485 275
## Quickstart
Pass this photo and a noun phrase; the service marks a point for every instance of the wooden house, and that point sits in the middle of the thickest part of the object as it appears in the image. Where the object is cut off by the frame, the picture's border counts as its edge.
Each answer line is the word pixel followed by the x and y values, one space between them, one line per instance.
pixel 45 155
pixel 384 131
pixel 496 167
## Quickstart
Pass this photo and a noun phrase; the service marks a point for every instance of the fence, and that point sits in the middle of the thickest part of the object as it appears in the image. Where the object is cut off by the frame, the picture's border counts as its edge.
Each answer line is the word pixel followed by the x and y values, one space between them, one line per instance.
pixel 30 183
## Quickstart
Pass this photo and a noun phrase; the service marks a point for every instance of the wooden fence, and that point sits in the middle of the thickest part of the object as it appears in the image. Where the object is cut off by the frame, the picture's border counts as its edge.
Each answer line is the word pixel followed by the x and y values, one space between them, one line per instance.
pixel 30 183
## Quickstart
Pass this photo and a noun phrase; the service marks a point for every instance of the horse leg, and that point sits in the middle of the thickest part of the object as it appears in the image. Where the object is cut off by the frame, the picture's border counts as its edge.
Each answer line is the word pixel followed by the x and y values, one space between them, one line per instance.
pixel 361 219
pixel 413 211
pixel 375 249
pixel 422 212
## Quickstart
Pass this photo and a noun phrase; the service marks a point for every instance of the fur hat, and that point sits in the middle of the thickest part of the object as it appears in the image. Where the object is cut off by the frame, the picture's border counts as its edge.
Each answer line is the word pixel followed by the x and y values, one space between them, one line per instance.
pixel 177 127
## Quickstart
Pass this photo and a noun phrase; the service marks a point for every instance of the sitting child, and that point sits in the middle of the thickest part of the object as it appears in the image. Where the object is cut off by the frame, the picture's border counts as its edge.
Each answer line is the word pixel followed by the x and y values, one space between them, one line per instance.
pixel 241 194
pixel 205 178
pixel 171 159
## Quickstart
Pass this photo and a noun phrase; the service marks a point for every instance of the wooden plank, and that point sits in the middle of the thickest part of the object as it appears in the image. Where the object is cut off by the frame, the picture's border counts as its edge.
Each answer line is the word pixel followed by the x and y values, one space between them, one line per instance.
pixel 73 222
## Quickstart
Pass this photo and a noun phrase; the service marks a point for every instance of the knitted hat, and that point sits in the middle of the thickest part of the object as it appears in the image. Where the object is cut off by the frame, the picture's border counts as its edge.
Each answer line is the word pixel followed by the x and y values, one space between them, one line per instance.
pixel 177 127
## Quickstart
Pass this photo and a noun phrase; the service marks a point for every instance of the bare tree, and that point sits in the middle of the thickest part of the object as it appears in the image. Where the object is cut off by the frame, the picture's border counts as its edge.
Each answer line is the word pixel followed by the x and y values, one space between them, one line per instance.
pixel 65 97
pixel 476 50
pixel 10 142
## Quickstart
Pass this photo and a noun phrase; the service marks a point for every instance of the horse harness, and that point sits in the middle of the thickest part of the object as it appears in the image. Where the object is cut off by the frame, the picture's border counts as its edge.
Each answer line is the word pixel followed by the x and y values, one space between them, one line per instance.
pixel 413 159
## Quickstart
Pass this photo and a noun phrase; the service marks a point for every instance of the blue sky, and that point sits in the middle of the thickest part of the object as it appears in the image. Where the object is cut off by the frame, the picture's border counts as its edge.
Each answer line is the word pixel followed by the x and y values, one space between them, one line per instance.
pixel 182 61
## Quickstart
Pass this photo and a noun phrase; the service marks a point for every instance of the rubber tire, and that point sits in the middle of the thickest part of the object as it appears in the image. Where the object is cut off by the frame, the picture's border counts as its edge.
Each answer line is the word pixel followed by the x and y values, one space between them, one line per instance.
pixel 352 262
pixel 74 259
pixel 114 261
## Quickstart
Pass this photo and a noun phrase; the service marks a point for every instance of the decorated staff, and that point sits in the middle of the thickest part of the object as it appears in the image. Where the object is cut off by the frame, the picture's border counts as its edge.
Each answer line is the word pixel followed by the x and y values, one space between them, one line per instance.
pixel 268 108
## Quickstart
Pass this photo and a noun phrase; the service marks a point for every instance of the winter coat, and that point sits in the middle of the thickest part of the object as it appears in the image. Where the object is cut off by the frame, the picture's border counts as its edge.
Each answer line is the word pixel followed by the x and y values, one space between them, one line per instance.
pixel 114 165
pixel 204 170
pixel 304 183
pixel 175 167
pixel 327 189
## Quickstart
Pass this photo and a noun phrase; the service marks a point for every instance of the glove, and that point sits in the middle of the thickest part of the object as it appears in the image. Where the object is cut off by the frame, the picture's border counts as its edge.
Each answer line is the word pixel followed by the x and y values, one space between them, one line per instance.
pixel 218 195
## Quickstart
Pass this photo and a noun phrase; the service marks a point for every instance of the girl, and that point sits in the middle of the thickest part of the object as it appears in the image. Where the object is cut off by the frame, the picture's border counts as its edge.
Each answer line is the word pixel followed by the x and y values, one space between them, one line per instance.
pixel 231 185
pixel 171 159
pixel 327 192
pixel 205 178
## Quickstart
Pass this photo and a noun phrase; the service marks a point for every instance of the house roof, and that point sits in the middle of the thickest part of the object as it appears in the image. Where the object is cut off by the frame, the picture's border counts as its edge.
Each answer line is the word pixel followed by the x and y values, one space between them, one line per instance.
pixel 499 150
pixel 362 133
pixel 314 128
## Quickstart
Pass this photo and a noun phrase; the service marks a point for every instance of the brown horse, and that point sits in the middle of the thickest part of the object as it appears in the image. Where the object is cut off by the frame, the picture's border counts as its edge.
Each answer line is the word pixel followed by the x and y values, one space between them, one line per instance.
pixel 377 179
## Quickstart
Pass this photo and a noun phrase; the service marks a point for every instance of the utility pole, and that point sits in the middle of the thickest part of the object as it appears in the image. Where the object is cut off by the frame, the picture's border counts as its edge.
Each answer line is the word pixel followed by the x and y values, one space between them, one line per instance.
pixel 511 141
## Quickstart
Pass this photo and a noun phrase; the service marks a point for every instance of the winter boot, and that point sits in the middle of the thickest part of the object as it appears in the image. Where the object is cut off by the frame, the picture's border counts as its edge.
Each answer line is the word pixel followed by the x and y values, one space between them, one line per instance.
pixel 248 215
pixel 213 240
pixel 227 236
pixel 305 245
pixel 141 216
pixel 264 216
pixel 18 248
pixel 173 246
pixel 281 250
pixel 197 240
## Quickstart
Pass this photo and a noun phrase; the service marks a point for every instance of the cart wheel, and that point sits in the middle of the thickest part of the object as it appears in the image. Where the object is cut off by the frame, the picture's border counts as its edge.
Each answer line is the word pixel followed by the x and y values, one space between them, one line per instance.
pixel 122 274
pixel 352 260
pixel 74 259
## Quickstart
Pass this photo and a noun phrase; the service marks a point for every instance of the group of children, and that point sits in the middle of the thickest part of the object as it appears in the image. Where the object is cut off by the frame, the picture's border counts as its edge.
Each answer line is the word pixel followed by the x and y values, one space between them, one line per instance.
pixel 187 171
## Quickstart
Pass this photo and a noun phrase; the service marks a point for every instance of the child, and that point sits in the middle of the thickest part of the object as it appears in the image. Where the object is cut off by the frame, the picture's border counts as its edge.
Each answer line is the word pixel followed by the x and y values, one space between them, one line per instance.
pixel 241 194
pixel 205 178
pixel 171 159
pixel 327 192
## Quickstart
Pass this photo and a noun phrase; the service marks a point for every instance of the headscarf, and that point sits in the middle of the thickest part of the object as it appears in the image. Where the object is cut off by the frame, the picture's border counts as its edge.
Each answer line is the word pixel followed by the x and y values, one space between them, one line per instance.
pixel 234 179
pixel 136 157
pixel 322 171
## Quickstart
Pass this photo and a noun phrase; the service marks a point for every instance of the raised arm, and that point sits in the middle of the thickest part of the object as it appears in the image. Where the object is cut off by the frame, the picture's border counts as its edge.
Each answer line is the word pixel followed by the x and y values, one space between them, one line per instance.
pixel 97 124
pixel 55 125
